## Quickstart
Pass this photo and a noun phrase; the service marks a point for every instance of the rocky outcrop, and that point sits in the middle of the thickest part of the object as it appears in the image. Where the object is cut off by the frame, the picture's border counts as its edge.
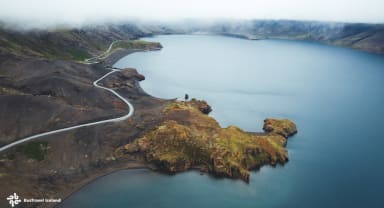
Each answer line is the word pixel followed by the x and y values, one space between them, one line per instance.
pixel 283 127
pixel 201 105
pixel 187 138
pixel 125 78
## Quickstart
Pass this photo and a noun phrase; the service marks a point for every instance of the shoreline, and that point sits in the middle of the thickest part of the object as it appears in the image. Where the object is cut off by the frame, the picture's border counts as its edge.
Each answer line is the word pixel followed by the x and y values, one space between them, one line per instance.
pixel 118 54
pixel 283 38
pixel 133 165
pixel 79 165
pixel 251 37
pixel 111 59
pixel 79 181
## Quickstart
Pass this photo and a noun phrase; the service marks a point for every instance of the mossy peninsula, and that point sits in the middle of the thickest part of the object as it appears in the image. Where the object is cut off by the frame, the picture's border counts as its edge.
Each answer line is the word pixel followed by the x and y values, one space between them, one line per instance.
pixel 189 138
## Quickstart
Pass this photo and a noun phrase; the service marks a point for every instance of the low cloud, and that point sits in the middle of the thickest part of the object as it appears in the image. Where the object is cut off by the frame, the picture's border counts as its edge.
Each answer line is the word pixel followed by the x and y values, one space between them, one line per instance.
pixel 49 13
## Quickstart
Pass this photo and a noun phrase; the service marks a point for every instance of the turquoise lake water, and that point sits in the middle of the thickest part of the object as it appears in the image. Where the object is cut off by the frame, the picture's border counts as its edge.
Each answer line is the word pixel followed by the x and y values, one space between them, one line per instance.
pixel 334 95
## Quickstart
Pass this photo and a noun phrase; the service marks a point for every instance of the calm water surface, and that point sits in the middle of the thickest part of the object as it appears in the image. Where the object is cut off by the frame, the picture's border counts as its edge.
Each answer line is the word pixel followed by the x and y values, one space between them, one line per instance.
pixel 335 96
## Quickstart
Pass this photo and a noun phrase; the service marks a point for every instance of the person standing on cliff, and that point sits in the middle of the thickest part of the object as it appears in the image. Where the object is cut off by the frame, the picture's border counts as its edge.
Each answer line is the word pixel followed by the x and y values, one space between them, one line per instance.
pixel 186 97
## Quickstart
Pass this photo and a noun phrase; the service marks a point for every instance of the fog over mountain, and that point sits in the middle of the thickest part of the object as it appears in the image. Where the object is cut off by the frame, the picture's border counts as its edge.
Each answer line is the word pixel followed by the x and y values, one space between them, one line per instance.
pixel 48 13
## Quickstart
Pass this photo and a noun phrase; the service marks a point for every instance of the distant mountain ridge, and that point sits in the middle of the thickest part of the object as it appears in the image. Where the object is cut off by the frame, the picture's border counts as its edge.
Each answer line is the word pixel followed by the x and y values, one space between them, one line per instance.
pixel 80 43
pixel 69 44
pixel 366 37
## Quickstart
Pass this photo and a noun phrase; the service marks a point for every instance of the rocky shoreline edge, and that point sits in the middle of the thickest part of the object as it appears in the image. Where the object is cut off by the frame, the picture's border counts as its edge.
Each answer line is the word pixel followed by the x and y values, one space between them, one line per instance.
pixel 71 161
pixel 276 131
pixel 139 162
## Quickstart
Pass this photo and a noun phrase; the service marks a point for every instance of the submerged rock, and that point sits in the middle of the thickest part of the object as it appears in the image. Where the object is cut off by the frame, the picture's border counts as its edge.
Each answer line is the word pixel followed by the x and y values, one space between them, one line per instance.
pixel 188 138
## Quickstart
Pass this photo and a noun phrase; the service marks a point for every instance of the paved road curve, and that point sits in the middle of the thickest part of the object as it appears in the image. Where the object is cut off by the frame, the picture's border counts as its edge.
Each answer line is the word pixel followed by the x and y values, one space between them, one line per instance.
pixel 129 114
pixel 95 59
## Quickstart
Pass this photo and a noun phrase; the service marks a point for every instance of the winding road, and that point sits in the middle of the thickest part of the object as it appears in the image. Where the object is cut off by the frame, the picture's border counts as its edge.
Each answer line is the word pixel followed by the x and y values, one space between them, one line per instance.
pixel 129 114
pixel 93 60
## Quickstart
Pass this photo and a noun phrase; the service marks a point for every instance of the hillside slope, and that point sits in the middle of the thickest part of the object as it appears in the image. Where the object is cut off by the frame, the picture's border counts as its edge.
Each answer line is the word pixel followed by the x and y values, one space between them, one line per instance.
pixel 69 44
pixel 40 79
pixel 366 37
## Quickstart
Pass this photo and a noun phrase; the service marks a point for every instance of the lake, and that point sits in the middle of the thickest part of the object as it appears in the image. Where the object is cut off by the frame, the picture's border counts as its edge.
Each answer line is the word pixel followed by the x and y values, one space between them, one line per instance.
pixel 334 95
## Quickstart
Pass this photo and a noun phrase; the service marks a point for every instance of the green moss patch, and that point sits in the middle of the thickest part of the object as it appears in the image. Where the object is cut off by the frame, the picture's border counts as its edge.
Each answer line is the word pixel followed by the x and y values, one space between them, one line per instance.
pixel 34 150
pixel 188 137
pixel 135 44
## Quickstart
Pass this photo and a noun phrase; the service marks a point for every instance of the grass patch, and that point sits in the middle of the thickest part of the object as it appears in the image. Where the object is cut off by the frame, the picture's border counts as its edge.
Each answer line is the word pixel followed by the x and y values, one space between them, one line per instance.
pixel 34 150
pixel 11 156
pixel 78 54
pixel 191 138
pixel 135 44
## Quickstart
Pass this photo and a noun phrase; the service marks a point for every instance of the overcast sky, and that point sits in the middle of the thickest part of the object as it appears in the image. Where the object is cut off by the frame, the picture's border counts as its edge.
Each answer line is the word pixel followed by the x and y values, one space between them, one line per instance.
pixel 85 11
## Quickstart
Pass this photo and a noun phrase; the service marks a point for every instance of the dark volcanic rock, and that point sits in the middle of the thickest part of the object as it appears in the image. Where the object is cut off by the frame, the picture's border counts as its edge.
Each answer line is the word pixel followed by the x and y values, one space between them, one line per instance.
pixel 123 78
pixel 130 73
pixel 42 95
pixel 63 97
